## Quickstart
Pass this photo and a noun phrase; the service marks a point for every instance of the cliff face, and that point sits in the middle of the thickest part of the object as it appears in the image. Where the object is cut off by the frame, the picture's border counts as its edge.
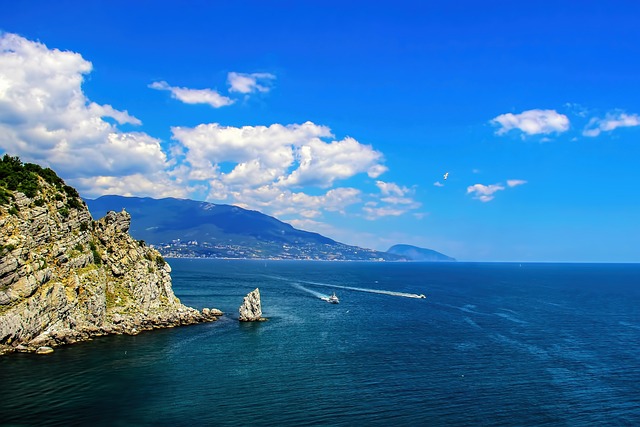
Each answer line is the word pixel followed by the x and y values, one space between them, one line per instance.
pixel 65 277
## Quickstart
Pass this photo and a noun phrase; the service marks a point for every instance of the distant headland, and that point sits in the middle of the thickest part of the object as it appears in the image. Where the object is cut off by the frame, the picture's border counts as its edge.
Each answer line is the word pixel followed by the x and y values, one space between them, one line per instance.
pixel 414 253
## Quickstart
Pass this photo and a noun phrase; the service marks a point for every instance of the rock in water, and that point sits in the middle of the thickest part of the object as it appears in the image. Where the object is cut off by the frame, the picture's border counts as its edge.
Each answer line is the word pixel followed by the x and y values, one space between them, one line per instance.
pixel 251 308
pixel 44 350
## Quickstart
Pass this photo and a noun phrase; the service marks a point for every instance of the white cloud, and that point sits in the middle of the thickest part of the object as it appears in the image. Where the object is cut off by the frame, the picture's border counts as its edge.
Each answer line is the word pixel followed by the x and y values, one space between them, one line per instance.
pixel 484 193
pixel 46 118
pixel 394 200
pixel 249 83
pixel 321 163
pixel 438 184
pixel 515 182
pixel 390 188
pixel 372 211
pixel 532 122
pixel 121 117
pixel 156 185
pixel 610 122
pixel 283 156
pixel 194 96
pixel 277 201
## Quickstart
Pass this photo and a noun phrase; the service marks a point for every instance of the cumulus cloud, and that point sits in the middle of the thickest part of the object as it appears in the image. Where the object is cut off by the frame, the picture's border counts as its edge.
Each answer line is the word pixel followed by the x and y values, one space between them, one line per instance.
pixel 283 202
pixel 249 83
pixel 194 96
pixel 610 122
pixel 273 168
pixel 486 193
pixel 284 155
pixel 46 118
pixel 322 163
pixel 391 189
pixel 532 122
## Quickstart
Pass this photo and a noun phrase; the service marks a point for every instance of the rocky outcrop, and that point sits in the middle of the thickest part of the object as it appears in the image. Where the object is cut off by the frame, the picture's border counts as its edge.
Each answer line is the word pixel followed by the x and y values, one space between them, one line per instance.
pixel 66 278
pixel 251 308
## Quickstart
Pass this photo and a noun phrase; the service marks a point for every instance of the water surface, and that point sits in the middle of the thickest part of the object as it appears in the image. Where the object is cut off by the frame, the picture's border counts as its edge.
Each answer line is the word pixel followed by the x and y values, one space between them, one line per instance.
pixel 492 344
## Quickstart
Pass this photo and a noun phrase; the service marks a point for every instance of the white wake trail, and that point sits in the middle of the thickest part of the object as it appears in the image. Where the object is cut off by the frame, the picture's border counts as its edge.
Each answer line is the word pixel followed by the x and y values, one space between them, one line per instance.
pixel 372 291
pixel 351 288
pixel 312 292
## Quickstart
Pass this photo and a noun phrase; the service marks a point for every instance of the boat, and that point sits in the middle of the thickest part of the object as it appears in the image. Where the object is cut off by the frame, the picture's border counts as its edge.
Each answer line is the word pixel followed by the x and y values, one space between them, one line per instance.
pixel 333 299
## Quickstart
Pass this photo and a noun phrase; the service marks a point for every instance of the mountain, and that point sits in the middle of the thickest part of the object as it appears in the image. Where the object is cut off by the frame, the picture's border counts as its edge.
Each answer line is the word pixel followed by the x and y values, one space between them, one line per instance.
pixel 414 253
pixel 189 228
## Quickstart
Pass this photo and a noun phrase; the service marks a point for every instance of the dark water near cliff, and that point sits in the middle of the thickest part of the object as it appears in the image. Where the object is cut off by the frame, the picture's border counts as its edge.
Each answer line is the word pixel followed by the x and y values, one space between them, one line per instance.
pixel 493 344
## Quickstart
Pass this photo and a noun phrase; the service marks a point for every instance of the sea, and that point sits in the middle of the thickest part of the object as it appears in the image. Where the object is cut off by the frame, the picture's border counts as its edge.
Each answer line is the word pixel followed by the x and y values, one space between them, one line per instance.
pixel 492 344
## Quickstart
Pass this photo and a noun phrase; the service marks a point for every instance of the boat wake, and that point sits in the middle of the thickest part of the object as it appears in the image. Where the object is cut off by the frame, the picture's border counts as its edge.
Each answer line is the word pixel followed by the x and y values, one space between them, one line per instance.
pixel 312 292
pixel 371 291
pixel 351 288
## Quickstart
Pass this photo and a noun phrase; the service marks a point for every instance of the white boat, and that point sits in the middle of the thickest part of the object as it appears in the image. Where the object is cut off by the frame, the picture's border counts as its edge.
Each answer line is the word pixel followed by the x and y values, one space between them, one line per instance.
pixel 333 299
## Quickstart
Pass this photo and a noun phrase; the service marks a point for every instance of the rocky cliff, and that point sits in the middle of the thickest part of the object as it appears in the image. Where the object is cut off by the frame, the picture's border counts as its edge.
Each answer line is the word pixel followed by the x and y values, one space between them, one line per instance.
pixel 66 278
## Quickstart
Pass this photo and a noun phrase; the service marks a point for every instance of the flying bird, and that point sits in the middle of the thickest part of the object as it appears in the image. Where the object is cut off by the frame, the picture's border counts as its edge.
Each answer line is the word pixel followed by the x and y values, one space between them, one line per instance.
pixel 446 175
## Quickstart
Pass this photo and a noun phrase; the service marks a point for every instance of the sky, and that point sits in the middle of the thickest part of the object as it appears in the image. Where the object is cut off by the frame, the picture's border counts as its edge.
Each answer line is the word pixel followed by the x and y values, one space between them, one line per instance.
pixel 343 117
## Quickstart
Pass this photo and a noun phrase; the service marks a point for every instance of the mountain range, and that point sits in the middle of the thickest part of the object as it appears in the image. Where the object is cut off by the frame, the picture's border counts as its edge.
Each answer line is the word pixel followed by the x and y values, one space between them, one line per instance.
pixel 189 228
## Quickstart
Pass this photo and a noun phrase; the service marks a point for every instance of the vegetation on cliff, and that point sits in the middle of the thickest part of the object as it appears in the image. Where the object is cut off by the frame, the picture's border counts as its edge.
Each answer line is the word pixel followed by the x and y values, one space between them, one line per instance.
pixel 28 179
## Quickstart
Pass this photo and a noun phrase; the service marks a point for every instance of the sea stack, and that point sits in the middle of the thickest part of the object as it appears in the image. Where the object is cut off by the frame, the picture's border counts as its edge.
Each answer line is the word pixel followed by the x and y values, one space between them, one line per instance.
pixel 251 308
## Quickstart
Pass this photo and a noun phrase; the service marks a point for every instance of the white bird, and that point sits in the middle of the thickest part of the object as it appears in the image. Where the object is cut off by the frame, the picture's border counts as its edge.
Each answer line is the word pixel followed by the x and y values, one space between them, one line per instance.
pixel 446 175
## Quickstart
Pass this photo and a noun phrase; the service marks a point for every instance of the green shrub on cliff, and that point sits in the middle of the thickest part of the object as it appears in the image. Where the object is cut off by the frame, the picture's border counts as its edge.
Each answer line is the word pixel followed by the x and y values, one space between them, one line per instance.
pixel 160 262
pixel 23 177
pixel 5 196
pixel 97 259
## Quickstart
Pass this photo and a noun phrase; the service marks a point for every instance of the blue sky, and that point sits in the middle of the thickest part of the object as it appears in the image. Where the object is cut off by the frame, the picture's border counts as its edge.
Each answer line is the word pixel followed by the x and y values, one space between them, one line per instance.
pixel 343 117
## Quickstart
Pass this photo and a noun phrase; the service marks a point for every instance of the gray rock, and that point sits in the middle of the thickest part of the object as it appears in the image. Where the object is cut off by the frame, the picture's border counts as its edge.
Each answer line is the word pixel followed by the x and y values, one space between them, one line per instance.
pixel 251 308
pixel 44 350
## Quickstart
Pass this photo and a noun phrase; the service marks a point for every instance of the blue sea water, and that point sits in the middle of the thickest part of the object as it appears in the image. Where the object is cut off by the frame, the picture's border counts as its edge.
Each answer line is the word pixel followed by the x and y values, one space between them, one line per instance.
pixel 492 344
